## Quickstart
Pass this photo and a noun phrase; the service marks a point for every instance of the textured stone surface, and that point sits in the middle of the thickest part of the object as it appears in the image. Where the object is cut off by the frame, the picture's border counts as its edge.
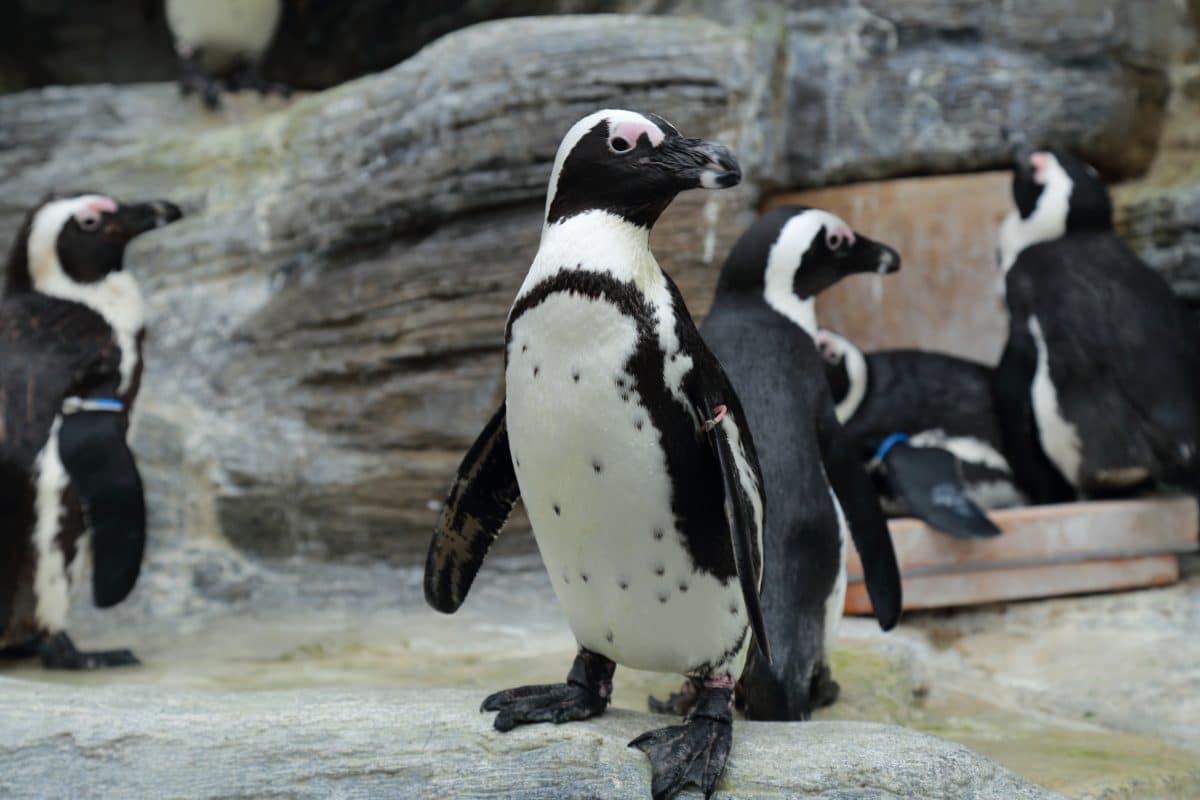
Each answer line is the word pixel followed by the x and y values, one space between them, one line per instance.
pixel 120 742
pixel 325 327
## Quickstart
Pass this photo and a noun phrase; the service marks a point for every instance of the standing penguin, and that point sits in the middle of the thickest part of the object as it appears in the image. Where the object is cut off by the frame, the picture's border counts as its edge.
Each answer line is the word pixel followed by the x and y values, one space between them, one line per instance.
pixel 761 327
pixel 222 38
pixel 928 431
pixel 628 447
pixel 70 366
pixel 1098 387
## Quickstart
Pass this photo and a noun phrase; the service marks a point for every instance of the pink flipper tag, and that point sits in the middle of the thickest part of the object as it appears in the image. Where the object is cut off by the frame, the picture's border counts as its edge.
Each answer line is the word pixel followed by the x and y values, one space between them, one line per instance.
pixel 631 130
pixel 719 414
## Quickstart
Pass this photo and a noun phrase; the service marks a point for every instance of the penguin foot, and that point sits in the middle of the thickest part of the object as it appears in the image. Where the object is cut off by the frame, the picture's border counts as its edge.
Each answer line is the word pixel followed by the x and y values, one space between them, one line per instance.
pixel 694 752
pixel 824 690
pixel 679 703
pixel 16 652
pixel 194 79
pixel 59 652
pixel 585 694
pixel 250 77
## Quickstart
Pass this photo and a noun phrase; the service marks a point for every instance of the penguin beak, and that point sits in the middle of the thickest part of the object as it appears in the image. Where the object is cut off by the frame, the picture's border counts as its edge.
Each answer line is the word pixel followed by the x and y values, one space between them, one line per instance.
pixel 697 163
pixel 871 256
pixel 130 220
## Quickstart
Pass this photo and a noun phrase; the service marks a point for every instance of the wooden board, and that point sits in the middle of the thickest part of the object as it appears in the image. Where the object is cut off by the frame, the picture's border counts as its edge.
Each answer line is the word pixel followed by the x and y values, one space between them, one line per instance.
pixel 1044 551
pixel 946 295
pixel 1024 583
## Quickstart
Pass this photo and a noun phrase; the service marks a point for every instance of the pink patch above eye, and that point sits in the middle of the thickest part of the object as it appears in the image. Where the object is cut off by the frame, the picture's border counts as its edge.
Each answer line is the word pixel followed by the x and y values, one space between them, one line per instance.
pixel 100 205
pixel 631 131
pixel 1039 162
pixel 845 235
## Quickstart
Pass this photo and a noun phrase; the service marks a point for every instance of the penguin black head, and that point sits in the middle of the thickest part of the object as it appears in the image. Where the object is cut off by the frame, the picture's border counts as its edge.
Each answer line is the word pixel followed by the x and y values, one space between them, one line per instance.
pixel 632 165
pixel 792 253
pixel 845 371
pixel 1054 193
pixel 78 241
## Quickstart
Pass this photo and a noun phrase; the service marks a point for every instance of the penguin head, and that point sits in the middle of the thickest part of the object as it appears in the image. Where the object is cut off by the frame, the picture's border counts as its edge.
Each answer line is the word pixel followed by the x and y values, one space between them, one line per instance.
pixel 79 241
pixel 632 165
pixel 1054 194
pixel 796 252
pixel 845 371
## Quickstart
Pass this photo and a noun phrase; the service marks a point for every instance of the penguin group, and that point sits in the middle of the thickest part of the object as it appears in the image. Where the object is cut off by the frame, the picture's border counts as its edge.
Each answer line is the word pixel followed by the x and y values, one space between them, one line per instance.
pixel 692 489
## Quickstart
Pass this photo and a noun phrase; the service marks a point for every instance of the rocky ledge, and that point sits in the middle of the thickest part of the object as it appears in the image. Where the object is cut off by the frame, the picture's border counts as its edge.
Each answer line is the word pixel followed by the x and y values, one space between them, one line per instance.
pixel 139 742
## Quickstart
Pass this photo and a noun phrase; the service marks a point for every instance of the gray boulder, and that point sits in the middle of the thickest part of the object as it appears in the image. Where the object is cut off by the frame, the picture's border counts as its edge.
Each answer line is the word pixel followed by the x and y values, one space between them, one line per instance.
pixel 108 742
pixel 325 326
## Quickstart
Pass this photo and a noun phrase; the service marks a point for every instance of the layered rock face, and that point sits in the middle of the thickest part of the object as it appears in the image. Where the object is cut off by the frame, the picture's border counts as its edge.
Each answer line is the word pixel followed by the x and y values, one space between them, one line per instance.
pixel 326 325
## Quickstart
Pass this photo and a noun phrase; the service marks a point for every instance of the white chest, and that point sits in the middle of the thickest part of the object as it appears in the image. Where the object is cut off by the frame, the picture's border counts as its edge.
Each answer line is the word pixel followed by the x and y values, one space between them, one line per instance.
pixel 594 481
pixel 1059 437
pixel 227 27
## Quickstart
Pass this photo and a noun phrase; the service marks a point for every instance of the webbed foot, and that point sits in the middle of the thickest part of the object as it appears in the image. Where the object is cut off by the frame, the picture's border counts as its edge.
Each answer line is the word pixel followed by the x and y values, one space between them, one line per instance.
pixel 824 690
pixel 585 694
pixel 694 752
pixel 59 652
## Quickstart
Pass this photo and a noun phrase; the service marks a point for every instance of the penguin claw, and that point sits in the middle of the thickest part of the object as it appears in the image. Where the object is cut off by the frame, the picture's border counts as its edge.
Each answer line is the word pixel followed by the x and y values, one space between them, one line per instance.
pixel 692 753
pixel 555 702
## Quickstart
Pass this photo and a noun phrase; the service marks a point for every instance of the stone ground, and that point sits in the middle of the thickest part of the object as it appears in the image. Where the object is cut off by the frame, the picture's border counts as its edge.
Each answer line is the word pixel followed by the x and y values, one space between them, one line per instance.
pixel 1092 697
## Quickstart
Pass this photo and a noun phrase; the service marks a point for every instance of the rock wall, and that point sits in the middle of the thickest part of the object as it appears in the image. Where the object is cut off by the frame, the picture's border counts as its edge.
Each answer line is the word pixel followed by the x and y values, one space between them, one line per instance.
pixel 325 326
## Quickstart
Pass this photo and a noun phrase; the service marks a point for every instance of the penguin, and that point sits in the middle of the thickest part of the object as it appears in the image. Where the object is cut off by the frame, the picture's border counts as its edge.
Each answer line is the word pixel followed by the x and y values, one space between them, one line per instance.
pixel 760 327
pixel 627 445
pixel 894 401
pixel 227 38
pixel 1097 387
pixel 71 330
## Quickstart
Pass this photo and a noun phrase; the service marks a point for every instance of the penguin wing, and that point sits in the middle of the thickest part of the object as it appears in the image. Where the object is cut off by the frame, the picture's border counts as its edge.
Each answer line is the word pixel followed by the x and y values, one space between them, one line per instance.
pixel 865 518
pixel 742 480
pixel 928 479
pixel 1012 383
pixel 93 450
pixel 481 498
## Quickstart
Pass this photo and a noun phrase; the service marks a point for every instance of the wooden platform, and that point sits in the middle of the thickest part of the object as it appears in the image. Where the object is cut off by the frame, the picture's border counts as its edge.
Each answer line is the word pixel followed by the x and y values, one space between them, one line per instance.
pixel 1073 548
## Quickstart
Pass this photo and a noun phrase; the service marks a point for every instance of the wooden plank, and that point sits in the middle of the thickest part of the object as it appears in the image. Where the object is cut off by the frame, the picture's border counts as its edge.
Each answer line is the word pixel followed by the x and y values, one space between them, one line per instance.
pixel 1040 534
pixel 946 295
pixel 1020 583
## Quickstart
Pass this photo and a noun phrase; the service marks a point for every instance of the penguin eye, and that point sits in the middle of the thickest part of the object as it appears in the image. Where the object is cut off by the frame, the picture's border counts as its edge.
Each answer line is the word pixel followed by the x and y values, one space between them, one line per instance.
pixel 89 221
pixel 834 240
pixel 619 144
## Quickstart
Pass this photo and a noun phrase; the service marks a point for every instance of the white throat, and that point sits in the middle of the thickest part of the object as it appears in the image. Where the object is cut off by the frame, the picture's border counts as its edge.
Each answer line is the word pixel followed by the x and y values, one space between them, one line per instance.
pixel 1047 222
pixel 596 241
pixel 794 239
pixel 116 297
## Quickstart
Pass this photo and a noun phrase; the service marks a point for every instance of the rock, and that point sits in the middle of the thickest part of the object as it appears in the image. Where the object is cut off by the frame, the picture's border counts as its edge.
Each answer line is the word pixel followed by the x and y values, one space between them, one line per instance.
pixel 879 89
pixel 325 326
pixel 130 742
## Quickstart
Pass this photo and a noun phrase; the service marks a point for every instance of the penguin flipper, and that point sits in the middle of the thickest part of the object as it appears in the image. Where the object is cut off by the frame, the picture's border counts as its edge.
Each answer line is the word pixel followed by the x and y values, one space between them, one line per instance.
pixel 483 495
pixel 93 450
pixel 864 517
pixel 740 479
pixel 928 480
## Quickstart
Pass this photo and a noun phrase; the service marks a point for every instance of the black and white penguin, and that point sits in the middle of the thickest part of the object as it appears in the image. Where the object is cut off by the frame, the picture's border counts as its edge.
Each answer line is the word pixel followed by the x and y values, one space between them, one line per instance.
pixel 628 447
pixel 1097 390
pixel 761 327
pixel 894 401
pixel 228 39
pixel 71 330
